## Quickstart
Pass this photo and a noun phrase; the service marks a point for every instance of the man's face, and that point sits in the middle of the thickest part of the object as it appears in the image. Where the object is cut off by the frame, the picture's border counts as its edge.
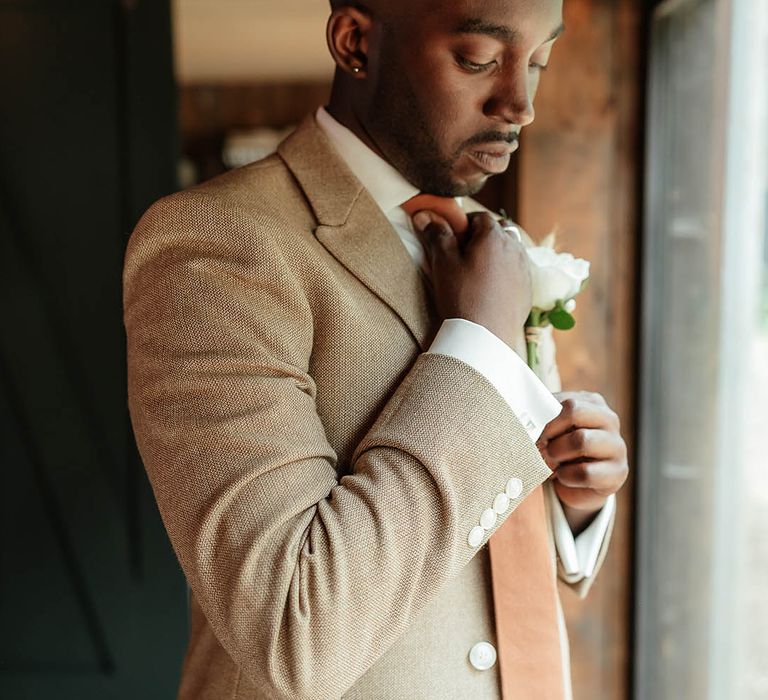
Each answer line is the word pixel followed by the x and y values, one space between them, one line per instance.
pixel 452 85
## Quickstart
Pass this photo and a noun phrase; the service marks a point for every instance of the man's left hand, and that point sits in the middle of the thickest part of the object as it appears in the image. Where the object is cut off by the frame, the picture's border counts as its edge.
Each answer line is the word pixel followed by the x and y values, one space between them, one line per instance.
pixel 585 450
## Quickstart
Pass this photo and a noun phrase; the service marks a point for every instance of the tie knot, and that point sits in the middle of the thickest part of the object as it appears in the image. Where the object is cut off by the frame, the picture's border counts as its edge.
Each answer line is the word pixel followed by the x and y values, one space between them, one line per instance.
pixel 447 207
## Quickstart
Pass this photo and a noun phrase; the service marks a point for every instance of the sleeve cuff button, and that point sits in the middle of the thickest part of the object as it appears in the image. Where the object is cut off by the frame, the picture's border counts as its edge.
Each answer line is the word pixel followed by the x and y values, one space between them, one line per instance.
pixel 514 487
pixel 476 535
pixel 501 503
pixel 488 518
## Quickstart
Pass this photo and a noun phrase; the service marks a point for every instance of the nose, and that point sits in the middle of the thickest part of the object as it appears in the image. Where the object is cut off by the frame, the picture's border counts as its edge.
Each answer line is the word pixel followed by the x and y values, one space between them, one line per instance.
pixel 512 98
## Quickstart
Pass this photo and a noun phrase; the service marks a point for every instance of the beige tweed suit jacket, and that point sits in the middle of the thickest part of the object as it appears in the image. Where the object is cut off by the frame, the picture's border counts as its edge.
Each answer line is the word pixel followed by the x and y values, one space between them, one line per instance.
pixel 316 470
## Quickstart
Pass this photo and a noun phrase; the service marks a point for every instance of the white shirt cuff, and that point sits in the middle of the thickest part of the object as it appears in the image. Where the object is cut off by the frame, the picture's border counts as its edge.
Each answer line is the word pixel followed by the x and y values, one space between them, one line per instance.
pixel 526 394
pixel 579 555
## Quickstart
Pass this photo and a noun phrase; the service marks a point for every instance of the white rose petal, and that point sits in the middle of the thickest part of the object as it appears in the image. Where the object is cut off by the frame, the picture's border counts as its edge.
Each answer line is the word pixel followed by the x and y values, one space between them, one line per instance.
pixel 555 276
pixel 570 305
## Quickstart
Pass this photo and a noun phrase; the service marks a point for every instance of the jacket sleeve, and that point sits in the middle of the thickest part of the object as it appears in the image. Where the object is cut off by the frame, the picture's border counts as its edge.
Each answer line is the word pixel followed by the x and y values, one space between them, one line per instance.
pixel 305 578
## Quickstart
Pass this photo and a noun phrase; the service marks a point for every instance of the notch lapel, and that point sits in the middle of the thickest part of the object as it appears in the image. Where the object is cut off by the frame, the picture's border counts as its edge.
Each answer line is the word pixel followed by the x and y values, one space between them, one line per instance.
pixel 355 231
pixel 368 246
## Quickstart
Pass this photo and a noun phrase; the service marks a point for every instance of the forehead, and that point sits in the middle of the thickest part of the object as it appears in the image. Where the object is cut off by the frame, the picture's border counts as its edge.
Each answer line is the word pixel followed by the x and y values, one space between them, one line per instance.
pixel 524 19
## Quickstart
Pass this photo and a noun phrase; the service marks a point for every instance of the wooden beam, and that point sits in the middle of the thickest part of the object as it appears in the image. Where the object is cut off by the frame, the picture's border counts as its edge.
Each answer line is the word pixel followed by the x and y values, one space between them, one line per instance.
pixel 579 171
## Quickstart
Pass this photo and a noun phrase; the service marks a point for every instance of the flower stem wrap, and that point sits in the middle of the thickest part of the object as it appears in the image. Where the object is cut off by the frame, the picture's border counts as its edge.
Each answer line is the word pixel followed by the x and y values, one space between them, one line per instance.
pixel 533 338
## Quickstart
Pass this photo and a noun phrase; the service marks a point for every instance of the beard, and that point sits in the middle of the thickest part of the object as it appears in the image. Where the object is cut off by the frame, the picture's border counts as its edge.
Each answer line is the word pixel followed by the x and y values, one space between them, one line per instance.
pixel 401 129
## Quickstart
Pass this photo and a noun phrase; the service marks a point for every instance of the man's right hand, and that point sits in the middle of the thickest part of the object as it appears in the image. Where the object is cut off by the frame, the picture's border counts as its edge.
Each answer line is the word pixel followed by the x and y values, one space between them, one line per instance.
pixel 483 278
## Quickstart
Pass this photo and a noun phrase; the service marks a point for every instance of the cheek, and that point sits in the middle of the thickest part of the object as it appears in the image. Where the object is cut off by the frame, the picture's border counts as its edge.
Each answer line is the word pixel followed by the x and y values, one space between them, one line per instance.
pixel 454 106
pixel 534 85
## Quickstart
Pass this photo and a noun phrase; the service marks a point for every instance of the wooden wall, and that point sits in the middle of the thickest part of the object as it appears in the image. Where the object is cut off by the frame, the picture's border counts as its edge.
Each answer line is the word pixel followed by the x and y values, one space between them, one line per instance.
pixel 209 111
pixel 578 169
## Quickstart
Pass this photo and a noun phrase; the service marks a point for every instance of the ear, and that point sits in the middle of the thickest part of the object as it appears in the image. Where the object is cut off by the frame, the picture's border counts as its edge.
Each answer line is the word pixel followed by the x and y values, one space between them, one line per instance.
pixel 348 36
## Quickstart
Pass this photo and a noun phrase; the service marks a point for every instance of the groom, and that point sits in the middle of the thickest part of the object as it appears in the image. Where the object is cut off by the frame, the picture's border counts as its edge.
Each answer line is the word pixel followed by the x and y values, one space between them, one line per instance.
pixel 366 487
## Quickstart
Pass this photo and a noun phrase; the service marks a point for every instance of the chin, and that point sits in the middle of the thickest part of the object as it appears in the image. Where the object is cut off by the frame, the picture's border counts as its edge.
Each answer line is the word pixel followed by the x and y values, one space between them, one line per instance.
pixel 469 187
pixel 459 183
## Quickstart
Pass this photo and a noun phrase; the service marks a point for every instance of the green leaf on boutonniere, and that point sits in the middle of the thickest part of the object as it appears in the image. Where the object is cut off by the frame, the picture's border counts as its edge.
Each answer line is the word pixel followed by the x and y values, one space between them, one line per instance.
pixel 583 284
pixel 560 318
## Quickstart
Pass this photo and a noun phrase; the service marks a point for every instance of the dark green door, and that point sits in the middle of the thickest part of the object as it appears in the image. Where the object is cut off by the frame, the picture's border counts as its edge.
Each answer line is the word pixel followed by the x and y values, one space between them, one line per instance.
pixel 92 602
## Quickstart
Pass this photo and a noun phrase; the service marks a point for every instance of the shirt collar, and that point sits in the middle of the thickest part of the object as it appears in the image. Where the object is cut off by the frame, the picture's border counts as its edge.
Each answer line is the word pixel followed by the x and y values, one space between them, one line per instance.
pixel 386 185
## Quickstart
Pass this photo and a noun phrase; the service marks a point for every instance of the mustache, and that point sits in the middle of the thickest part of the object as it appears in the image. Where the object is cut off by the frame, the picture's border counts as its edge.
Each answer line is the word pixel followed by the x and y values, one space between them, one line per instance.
pixel 490 136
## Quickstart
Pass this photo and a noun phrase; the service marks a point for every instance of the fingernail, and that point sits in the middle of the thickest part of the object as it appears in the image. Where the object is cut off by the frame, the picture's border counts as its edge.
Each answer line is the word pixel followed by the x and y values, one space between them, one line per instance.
pixel 421 220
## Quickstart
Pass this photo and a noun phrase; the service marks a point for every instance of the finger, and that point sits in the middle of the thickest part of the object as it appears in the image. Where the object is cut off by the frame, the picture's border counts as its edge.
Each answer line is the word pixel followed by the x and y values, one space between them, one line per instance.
pixel 601 475
pixel 486 222
pixel 446 207
pixel 583 443
pixel 590 396
pixel 578 413
pixel 423 219
pixel 581 499
pixel 485 237
pixel 434 232
pixel 481 225
pixel 508 226
pixel 482 219
pixel 524 236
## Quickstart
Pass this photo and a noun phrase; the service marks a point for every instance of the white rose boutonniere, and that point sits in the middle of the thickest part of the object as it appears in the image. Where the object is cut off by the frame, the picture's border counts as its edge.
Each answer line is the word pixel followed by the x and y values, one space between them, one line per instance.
pixel 556 279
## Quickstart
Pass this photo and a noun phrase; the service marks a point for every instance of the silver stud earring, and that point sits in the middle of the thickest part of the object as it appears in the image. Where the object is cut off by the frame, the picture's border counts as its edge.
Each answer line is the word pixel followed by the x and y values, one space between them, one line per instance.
pixel 355 69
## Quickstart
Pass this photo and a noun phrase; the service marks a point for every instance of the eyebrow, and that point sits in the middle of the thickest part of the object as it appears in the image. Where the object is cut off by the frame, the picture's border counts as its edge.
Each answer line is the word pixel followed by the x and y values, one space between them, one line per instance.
pixel 498 31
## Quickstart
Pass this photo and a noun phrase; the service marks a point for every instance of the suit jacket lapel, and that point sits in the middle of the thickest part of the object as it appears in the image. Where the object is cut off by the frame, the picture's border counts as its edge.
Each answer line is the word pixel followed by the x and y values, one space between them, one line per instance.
pixel 367 245
pixel 355 231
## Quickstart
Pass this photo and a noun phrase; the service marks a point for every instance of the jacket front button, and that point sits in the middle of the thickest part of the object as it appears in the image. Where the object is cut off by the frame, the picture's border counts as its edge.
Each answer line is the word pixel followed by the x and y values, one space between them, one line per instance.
pixel 482 656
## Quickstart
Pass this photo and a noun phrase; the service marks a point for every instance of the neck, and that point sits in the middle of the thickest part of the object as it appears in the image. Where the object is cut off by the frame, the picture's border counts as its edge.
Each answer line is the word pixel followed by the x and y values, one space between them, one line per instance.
pixel 342 110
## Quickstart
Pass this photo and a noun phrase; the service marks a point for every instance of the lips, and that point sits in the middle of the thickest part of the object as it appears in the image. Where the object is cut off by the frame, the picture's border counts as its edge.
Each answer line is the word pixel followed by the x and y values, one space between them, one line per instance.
pixel 492 158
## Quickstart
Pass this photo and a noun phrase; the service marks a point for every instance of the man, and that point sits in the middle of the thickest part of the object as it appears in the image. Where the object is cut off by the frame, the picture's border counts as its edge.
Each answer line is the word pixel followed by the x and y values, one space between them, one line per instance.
pixel 330 400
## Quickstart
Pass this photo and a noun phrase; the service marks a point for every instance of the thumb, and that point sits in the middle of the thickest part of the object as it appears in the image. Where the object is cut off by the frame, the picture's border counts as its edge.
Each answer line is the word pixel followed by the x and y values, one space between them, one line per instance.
pixel 434 232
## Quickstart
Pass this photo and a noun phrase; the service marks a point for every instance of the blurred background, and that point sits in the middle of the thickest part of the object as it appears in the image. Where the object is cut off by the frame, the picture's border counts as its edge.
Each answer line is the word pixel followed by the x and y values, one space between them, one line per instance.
pixel 649 155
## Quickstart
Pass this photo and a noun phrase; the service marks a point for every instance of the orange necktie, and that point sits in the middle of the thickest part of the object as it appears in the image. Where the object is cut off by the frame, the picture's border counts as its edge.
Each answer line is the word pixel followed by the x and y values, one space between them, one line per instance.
pixel 525 603
pixel 447 207
pixel 524 583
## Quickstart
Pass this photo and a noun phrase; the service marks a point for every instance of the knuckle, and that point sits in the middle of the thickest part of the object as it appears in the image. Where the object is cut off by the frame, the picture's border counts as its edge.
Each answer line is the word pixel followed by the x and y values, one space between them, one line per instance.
pixel 429 233
pixel 625 455
pixel 484 219
pixel 481 224
pixel 582 472
pixel 581 442
pixel 436 230
pixel 622 475
pixel 574 442
pixel 439 237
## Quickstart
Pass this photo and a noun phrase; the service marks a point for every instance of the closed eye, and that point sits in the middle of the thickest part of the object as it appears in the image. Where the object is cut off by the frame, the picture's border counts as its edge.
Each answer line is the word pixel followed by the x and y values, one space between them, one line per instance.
pixel 472 66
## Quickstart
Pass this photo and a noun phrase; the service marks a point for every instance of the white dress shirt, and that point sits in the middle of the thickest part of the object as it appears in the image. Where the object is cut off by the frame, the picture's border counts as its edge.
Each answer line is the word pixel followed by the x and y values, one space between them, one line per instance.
pixel 526 394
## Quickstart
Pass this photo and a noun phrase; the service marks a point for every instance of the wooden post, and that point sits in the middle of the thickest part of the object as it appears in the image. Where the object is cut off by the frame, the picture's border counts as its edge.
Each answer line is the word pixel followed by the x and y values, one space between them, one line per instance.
pixel 579 170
